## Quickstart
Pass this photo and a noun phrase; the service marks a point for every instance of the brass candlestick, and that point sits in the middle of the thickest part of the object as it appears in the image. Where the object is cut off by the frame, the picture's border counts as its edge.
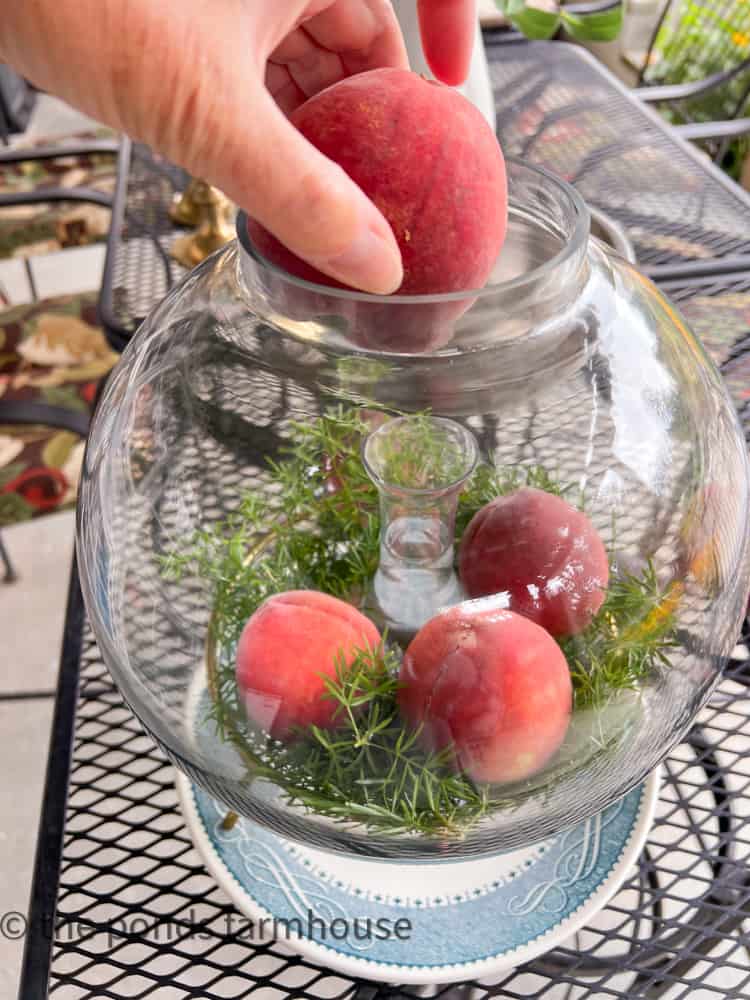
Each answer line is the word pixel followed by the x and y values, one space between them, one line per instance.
pixel 184 211
pixel 212 209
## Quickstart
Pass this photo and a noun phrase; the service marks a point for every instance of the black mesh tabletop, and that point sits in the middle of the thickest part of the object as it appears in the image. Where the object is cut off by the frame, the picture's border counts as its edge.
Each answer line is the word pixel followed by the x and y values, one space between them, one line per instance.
pixel 559 108
pixel 122 906
pixel 717 309
pixel 139 916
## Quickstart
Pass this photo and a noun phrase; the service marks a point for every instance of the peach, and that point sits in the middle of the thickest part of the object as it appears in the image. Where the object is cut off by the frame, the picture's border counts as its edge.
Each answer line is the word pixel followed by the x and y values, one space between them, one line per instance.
pixel 287 648
pixel 545 555
pixel 490 684
pixel 428 159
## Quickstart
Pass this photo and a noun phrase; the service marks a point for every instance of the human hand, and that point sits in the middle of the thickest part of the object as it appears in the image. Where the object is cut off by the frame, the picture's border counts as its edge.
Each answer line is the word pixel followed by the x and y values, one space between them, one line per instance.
pixel 209 84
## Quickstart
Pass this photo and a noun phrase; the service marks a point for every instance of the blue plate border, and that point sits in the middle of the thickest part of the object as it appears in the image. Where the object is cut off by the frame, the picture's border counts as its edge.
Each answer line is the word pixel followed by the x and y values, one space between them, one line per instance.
pixel 498 927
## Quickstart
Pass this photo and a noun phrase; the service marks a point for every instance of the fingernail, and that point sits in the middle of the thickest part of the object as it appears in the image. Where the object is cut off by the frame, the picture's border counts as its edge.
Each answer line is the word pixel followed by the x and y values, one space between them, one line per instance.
pixel 372 262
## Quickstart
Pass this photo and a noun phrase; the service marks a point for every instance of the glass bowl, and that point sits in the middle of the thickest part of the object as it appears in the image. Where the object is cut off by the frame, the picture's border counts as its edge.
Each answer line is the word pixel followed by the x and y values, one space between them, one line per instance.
pixel 521 511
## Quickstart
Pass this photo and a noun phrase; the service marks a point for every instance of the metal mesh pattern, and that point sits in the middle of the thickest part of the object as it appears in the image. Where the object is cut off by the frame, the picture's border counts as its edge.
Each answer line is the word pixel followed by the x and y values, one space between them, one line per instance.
pixel 718 311
pixel 140 269
pixel 558 109
pixel 139 916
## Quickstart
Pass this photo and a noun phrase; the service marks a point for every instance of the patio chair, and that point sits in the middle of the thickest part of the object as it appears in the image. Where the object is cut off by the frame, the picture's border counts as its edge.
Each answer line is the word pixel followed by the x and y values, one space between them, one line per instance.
pixel 697 71
pixel 24 412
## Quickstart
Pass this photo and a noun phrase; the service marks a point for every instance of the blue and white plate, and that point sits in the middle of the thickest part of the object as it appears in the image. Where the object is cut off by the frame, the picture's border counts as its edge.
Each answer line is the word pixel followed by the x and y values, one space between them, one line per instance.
pixel 420 922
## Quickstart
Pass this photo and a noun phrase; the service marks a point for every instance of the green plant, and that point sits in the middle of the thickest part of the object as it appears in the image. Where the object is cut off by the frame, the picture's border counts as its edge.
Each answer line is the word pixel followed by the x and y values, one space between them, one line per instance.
pixel 322 532
pixel 541 19
pixel 695 41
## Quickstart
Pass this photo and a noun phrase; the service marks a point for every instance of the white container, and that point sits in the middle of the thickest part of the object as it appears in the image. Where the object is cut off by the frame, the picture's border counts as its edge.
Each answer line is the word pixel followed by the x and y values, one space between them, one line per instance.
pixel 477 88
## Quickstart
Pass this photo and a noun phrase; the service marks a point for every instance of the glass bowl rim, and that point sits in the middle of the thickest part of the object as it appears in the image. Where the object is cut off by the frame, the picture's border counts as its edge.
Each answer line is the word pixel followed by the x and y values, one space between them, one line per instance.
pixel 576 241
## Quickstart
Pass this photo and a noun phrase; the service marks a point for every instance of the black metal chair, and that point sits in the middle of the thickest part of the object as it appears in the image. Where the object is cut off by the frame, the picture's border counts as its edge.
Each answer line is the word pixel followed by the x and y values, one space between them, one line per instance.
pixel 23 412
pixel 57 152
pixel 697 71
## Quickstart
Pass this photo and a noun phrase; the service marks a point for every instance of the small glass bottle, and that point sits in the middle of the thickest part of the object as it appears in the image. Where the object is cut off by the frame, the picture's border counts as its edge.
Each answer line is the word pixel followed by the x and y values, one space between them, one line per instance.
pixel 419 465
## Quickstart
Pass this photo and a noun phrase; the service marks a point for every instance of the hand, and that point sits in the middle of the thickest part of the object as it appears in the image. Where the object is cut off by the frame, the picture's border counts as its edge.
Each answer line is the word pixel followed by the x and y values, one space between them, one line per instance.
pixel 208 83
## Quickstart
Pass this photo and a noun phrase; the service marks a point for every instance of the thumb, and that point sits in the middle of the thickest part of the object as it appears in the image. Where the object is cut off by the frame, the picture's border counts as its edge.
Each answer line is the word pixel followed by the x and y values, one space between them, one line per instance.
pixel 448 30
pixel 202 103
pixel 308 202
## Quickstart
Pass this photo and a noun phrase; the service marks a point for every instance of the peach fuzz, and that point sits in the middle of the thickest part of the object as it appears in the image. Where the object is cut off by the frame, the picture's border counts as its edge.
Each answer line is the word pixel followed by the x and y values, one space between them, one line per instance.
pixel 430 162
pixel 287 648
pixel 545 555
pixel 490 684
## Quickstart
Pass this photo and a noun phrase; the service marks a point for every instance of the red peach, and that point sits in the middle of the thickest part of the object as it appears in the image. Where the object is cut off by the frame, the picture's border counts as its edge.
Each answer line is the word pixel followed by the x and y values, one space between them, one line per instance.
pixel 288 647
pixel 490 684
pixel 428 159
pixel 412 328
pixel 544 554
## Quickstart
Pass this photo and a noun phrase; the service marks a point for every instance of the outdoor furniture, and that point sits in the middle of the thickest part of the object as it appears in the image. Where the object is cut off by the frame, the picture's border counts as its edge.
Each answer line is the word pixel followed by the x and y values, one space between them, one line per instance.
pixel 23 412
pixel 9 572
pixel 58 151
pixel 13 412
pixel 138 913
pixel 697 71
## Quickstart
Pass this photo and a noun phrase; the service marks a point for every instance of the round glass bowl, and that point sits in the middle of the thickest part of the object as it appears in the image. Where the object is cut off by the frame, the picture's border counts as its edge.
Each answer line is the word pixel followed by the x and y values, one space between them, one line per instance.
pixel 262 435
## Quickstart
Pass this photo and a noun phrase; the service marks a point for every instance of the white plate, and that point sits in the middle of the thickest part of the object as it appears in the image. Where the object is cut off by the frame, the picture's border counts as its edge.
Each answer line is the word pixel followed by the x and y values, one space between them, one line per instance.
pixel 466 920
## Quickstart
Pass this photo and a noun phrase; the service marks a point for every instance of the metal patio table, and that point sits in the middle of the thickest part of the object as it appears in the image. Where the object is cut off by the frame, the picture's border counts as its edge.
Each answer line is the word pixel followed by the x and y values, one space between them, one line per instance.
pixel 113 846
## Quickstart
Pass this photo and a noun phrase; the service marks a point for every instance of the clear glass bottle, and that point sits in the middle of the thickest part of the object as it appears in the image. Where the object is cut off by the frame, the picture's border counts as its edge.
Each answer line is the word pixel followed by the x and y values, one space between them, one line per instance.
pixel 419 465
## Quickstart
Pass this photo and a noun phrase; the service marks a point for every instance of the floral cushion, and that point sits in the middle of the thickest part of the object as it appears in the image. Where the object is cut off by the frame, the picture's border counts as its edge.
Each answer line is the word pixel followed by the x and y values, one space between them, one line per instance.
pixel 51 352
pixel 26 230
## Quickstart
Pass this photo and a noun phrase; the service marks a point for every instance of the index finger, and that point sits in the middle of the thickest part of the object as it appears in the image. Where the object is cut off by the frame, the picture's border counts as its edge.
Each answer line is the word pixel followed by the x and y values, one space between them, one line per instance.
pixel 448 29
pixel 364 33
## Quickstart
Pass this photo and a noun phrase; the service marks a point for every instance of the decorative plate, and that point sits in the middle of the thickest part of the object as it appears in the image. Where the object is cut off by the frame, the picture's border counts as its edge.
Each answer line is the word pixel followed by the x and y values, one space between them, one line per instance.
pixel 420 922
